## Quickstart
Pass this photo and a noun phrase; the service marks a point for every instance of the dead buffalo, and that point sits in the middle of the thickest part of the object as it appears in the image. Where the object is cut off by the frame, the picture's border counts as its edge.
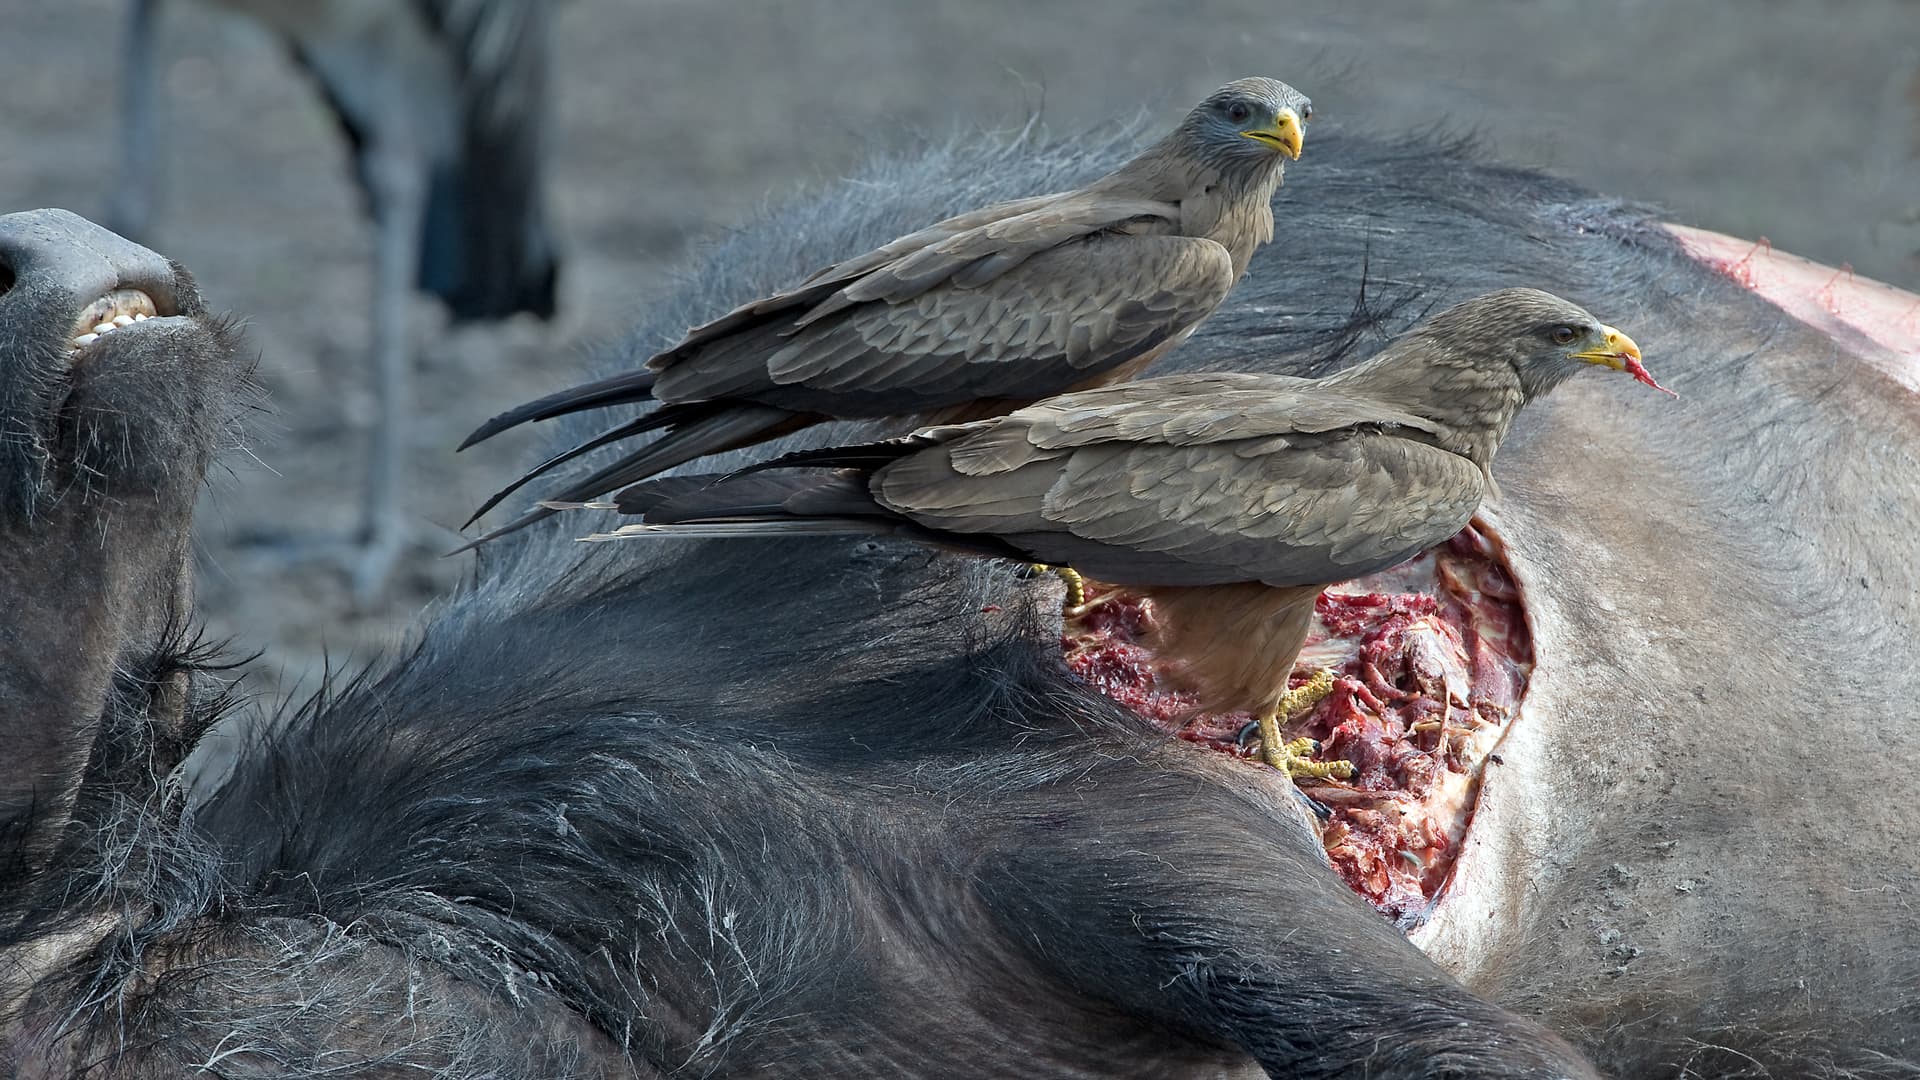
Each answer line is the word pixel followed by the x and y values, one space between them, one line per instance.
pixel 837 807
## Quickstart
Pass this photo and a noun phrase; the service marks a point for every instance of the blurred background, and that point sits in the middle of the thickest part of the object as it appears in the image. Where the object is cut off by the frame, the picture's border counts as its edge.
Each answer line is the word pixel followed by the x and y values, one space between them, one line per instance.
pixel 1796 119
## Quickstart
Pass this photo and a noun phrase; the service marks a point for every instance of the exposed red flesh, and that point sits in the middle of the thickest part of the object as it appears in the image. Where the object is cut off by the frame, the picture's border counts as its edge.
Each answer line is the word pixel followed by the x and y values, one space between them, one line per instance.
pixel 1432 659
pixel 1639 371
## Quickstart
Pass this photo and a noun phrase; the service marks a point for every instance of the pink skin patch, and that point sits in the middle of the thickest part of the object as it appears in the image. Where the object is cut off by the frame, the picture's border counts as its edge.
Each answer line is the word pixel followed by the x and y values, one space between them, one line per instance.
pixel 1431 657
pixel 1833 300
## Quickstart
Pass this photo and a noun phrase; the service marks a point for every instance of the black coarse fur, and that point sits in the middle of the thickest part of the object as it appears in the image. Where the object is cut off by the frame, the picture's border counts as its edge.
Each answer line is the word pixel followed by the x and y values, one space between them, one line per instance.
pixel 832 808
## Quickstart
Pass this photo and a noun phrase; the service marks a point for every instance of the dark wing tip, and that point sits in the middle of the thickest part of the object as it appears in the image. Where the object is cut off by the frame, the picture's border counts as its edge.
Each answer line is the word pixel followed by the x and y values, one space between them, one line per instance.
pixel 638 426
pixel 636 499
pixel 621 389
pixel 514 526
pixel 862 456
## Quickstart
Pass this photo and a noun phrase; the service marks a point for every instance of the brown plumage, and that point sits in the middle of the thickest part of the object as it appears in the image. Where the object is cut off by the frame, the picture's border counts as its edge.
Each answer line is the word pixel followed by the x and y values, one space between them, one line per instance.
pixel 971 316
pixel 1229 499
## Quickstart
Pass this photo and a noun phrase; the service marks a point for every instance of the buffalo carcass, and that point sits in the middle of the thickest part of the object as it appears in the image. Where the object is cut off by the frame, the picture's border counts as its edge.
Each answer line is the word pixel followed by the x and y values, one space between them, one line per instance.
pixel 835 808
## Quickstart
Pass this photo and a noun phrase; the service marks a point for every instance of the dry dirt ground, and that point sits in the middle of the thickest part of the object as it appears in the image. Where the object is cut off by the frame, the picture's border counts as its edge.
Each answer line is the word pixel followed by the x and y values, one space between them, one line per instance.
pixel 676 118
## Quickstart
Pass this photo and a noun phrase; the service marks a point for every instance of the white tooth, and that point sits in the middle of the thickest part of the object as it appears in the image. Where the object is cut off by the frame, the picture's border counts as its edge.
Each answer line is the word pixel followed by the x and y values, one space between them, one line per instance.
pixel 140 317
pixel 123 320
pixel 102 328
pixel 85 339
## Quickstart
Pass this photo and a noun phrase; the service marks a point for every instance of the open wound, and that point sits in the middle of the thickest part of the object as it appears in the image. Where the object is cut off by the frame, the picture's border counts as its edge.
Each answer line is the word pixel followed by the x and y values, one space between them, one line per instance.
pixel 1432 659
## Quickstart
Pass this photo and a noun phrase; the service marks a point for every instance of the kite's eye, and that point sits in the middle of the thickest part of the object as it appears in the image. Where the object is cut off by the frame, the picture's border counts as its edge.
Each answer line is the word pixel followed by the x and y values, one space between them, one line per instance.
pixel 1306 111
pixel 1238 112
pixel 1563 335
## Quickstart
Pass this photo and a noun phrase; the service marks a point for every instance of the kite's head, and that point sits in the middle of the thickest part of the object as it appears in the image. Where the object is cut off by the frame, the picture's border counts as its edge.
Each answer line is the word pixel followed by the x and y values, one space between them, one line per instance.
pixel 1612 349
pixel 1248 124
pixel 1544 337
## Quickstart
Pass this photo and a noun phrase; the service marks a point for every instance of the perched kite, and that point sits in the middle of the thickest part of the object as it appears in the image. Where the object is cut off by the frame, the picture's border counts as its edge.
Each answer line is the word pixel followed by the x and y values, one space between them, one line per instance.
pixel 1230 500
pixel 972 316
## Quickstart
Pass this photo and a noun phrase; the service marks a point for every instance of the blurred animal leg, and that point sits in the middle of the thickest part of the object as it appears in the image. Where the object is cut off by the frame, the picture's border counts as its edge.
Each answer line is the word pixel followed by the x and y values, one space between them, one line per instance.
pixel 397 180
pixel 130 203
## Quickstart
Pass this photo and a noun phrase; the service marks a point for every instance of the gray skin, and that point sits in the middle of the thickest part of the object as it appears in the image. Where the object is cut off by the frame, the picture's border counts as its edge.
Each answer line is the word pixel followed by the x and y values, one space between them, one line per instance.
pixel 98 475
pixel 859 842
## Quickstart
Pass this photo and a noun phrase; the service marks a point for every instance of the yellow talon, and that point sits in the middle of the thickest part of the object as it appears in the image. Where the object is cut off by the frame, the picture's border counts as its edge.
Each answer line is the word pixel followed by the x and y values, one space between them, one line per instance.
pixel 1296 758
pixel 1320 770
pixel 1300 699
pixel 1076 585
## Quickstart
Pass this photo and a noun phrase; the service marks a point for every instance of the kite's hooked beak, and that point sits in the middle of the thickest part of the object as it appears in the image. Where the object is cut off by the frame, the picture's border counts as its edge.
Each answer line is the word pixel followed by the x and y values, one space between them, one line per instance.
pixel 1617 352
pixel 1287 134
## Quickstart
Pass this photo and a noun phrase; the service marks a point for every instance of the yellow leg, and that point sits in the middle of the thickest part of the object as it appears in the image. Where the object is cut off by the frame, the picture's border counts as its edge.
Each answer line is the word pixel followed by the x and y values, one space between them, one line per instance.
pixel 1076 585
pixel 1301 698
pixel 1296 758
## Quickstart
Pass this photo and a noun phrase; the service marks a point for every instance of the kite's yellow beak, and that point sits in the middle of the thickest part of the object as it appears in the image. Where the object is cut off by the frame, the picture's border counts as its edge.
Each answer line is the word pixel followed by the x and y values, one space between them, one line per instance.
pixel 1615 350
pixel 1287 134
pixel 1618 352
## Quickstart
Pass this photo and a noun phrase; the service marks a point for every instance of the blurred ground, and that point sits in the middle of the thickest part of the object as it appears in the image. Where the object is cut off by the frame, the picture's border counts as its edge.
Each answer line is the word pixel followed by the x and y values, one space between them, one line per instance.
pixel 1790 118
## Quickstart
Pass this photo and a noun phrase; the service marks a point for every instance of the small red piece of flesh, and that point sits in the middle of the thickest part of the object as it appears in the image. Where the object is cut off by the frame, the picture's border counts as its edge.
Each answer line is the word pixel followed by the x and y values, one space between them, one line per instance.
pixel 1431 658
pixel 1639 371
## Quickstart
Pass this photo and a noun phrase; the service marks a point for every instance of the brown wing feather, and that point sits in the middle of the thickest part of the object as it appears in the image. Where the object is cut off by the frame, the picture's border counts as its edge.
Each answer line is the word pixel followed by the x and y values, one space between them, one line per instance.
pixel 1314 510
pixel 851 269
pixel 1179 410
pixel 1300 509
pixel 976 256
pixel 1059 317
pixel 1205 407
pixel 1024 225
